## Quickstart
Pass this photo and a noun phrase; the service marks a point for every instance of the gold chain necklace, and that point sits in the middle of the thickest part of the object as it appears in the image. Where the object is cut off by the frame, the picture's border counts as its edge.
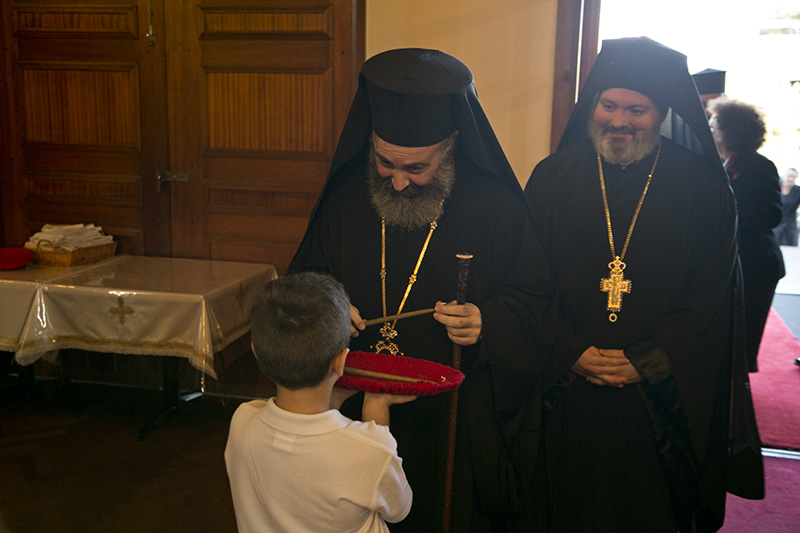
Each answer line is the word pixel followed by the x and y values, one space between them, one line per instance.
pixel 616 284
pixel 387 331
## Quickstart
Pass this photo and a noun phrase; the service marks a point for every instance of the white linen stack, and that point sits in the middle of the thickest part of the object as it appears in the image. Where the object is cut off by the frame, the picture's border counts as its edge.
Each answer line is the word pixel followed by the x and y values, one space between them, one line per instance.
pixel 69 237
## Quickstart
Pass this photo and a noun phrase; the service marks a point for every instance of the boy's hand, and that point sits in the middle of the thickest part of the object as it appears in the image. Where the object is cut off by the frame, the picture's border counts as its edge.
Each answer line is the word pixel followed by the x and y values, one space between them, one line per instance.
pixel 376 406
pixel 387 399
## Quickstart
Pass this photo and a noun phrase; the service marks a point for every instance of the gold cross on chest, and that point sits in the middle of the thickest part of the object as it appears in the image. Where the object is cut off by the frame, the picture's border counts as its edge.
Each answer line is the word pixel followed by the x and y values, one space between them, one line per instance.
pixel 615 285
pixel 121 310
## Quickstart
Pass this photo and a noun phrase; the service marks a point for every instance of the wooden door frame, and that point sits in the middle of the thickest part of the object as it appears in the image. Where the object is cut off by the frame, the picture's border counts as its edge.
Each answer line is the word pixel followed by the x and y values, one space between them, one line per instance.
pixel 577 30
pixel 9 155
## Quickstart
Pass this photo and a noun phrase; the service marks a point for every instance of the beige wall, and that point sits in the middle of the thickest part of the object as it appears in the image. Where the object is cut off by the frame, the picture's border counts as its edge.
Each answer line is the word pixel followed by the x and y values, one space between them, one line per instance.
pixel 508 44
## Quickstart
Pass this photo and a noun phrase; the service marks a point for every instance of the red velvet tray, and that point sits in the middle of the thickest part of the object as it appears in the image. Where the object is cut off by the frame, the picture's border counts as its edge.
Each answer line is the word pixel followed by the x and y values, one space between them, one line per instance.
pixel 434 377
pixel 14 257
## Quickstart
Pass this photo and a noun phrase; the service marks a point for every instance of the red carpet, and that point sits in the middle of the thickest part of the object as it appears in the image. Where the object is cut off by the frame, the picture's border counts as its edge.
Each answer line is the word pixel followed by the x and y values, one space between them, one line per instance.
pixel 778 512
pixel 776 387
pixel 776 394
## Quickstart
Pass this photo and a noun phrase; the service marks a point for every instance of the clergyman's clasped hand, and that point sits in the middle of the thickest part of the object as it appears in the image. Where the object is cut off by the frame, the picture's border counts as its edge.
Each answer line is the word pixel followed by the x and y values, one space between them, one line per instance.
pixel 606 367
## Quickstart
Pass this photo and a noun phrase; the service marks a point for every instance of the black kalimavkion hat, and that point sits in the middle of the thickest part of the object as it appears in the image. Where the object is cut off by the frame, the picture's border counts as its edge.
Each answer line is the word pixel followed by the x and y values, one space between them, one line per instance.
pixel 418 97
pixel 660 73
pixel 710 81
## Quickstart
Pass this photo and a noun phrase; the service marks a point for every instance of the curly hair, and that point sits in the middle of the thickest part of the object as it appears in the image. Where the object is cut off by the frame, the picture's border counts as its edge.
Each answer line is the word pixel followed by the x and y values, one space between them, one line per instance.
pixel 739 125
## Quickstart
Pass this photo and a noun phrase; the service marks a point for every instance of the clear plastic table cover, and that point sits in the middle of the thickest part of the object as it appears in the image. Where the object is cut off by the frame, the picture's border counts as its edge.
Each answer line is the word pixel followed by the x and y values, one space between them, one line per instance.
pixel 17 290
pixel 190 308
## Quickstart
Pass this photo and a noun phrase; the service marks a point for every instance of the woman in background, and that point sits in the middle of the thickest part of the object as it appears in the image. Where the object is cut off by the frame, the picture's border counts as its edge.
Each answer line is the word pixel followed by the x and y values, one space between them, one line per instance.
pixel 739 130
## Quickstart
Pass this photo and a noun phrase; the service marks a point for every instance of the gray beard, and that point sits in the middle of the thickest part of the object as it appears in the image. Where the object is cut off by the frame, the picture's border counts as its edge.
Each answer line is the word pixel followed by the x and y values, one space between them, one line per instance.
pixel 414 207
pixel 641 145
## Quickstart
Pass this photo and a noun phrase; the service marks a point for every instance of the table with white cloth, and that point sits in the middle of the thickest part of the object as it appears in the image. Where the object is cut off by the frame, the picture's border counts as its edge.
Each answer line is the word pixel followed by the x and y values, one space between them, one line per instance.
pixel 189 308
pixel 169 307
pixel 17 290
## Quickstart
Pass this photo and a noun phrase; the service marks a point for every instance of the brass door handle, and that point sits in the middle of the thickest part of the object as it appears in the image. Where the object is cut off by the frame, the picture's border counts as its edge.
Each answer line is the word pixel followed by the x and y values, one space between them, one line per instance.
pixel 151 34
pixel 165 176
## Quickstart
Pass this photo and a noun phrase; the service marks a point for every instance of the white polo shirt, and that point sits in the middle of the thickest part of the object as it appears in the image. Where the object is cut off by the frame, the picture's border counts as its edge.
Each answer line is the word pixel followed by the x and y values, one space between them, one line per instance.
pixel 313 473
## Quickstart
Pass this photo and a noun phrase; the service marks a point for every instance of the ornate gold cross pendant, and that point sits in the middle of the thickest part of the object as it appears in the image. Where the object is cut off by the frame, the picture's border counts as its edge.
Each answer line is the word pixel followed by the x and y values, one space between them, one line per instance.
pixel 615 285
pixel 389 347
pixel 388 333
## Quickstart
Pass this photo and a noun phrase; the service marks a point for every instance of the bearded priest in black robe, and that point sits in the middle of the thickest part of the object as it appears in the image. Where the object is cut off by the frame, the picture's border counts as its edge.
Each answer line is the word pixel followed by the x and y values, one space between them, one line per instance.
pixel 641 236
pixel 417 178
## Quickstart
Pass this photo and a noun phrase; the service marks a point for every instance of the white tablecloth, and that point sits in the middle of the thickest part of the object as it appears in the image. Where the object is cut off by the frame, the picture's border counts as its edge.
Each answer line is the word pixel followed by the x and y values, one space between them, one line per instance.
pixel 190 308
pixel 17 290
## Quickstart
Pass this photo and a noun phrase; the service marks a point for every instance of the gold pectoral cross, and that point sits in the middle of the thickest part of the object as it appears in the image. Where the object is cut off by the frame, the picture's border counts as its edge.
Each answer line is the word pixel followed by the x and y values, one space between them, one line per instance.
pixel 615 285
pixel 388 333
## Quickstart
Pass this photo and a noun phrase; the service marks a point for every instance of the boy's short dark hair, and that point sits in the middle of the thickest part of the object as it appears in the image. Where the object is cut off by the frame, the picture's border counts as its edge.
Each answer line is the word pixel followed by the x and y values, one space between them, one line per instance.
pixel 300 323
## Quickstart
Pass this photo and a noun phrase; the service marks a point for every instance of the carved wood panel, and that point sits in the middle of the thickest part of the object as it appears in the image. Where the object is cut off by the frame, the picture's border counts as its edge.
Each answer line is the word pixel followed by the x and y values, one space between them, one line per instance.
pixel 267 112
pixel 82 140
pixel 272 85
pixel 246 96
pixel 81 105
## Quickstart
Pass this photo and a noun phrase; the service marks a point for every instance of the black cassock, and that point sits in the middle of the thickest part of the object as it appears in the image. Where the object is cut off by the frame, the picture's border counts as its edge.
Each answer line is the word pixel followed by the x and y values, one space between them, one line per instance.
pixel 631 456
pixel 508 280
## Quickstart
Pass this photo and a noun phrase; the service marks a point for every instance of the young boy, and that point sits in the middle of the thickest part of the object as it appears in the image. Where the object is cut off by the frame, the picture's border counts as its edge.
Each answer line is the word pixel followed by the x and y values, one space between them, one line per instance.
pixel 295 463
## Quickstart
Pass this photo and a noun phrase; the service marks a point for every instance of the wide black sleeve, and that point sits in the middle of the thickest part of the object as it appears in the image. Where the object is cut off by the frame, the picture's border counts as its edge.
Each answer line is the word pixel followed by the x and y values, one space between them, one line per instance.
pixel 692 341
pixel 566 345
pixel 517 326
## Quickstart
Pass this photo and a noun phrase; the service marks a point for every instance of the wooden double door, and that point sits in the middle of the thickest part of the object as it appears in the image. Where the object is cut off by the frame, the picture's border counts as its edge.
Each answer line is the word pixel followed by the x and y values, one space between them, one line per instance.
pixel 185 128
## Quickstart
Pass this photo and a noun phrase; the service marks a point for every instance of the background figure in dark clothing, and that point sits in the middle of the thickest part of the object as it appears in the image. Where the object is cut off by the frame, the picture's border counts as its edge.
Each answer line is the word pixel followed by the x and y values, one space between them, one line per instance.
pixel 739 131
pixel 786 232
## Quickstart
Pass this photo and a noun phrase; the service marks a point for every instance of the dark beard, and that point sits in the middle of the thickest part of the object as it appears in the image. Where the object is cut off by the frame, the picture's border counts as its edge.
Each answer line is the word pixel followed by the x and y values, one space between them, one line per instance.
pixel 414 207
pixel 642 144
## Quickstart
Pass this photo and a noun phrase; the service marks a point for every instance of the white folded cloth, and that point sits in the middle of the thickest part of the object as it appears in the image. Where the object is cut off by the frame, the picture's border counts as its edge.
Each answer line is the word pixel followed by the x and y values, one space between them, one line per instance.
pixel 69 237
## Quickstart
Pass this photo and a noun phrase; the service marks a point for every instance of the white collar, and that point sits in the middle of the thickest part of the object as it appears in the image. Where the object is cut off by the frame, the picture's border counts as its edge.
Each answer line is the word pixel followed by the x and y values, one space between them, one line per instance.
pixel 302 424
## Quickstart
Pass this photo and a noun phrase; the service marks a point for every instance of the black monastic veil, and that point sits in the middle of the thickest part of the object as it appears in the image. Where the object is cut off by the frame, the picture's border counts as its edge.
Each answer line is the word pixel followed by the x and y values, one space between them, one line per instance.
pixel 654 454
pixel 418 97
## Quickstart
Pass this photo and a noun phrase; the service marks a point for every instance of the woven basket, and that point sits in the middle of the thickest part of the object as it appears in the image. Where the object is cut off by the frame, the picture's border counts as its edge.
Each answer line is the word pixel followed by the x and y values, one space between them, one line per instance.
pixel 81 256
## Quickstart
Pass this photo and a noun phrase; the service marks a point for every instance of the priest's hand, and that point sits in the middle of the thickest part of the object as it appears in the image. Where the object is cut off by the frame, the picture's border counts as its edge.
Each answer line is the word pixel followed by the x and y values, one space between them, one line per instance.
pixel 604 367
pixel 463 322
pixel 356 322
pixel 628 371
